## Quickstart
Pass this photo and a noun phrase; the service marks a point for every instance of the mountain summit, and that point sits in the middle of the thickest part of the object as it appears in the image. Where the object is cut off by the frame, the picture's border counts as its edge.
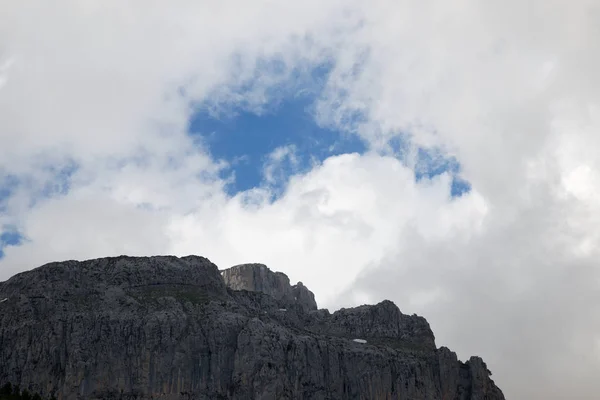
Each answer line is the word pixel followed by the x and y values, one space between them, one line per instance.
pixel 170 328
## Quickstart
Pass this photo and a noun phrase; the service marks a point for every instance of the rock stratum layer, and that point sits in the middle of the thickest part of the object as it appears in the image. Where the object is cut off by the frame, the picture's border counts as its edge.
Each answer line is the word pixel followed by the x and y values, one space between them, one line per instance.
pixel 178 328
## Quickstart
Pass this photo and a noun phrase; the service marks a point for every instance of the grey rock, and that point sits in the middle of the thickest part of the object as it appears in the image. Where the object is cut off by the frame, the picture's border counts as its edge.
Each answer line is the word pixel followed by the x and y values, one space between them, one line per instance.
pixel 171 328
pixel 382 322
pixel 465 381
pixel 259 278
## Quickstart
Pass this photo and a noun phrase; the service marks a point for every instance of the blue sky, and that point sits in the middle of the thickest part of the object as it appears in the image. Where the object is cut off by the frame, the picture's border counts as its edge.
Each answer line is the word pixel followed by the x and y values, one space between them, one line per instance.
pixel 9 234
pixel 244 140
pixel 8 237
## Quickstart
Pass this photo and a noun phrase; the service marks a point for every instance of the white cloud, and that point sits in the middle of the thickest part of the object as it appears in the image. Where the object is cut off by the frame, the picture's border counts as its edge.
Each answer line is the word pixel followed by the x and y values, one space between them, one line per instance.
pixel 330 223
pixel 273 168
pixel 510 89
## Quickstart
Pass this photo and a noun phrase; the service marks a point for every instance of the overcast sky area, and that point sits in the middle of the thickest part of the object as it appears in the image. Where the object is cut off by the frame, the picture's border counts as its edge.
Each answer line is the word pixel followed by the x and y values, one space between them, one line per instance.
pixel 443 155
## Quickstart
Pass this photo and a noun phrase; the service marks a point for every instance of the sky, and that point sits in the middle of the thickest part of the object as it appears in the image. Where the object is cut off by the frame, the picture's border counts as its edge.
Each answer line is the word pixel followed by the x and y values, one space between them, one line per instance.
pixel 443 155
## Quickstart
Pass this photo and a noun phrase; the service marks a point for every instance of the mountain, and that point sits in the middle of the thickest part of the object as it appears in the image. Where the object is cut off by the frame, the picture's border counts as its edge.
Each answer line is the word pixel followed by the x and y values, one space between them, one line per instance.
pixel 178 328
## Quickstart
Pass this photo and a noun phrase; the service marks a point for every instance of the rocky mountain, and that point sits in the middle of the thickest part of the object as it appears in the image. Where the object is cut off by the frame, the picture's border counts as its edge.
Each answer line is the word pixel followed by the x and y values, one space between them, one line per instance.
pixel 178 328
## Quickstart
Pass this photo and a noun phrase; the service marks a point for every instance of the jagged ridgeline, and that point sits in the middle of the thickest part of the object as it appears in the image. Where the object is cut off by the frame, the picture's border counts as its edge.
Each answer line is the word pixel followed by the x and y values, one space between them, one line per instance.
pixel 171 328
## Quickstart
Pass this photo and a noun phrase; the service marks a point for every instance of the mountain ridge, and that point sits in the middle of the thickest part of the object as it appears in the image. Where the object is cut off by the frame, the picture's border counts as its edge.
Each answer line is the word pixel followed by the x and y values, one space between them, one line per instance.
pixel 165 327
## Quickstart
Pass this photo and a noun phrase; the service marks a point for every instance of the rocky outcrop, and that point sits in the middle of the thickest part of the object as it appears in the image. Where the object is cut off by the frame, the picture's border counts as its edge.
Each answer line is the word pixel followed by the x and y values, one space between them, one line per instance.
pixel 171 328
pixel 382 323
pixel 465 381
pixel 259 278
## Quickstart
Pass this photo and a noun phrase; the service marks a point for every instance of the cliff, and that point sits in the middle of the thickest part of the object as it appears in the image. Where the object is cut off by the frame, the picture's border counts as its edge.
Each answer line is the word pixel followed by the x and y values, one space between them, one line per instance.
pixel 259 278
pixel 171 328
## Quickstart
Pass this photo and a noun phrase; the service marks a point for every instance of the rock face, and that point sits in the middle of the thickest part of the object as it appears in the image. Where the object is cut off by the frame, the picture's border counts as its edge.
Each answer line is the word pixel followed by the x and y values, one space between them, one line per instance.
pixel 171 328
pixel 259 278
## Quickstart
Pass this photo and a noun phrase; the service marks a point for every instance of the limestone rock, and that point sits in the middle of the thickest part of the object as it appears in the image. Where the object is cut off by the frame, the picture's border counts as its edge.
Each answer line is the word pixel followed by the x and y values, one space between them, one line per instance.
pixel 383 322
pixel 259 278
pixel 170 328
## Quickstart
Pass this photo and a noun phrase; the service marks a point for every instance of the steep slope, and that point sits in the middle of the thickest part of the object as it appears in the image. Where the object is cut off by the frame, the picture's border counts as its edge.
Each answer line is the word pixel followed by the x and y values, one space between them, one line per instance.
pixel 170 328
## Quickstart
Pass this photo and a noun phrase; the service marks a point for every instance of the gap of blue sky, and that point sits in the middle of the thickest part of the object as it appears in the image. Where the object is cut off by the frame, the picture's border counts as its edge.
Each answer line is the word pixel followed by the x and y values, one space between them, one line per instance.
pixel 58 185
pixel 9 237
pixel 245 136
pixel 430 164
pixel 246 140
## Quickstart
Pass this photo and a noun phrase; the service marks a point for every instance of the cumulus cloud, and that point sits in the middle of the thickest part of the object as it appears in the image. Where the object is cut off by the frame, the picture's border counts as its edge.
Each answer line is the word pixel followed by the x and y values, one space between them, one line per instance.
pixel 95 158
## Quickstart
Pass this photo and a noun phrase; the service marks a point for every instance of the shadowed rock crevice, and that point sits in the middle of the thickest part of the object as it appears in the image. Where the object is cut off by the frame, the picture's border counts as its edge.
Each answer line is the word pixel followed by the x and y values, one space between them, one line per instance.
pixel 171 328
